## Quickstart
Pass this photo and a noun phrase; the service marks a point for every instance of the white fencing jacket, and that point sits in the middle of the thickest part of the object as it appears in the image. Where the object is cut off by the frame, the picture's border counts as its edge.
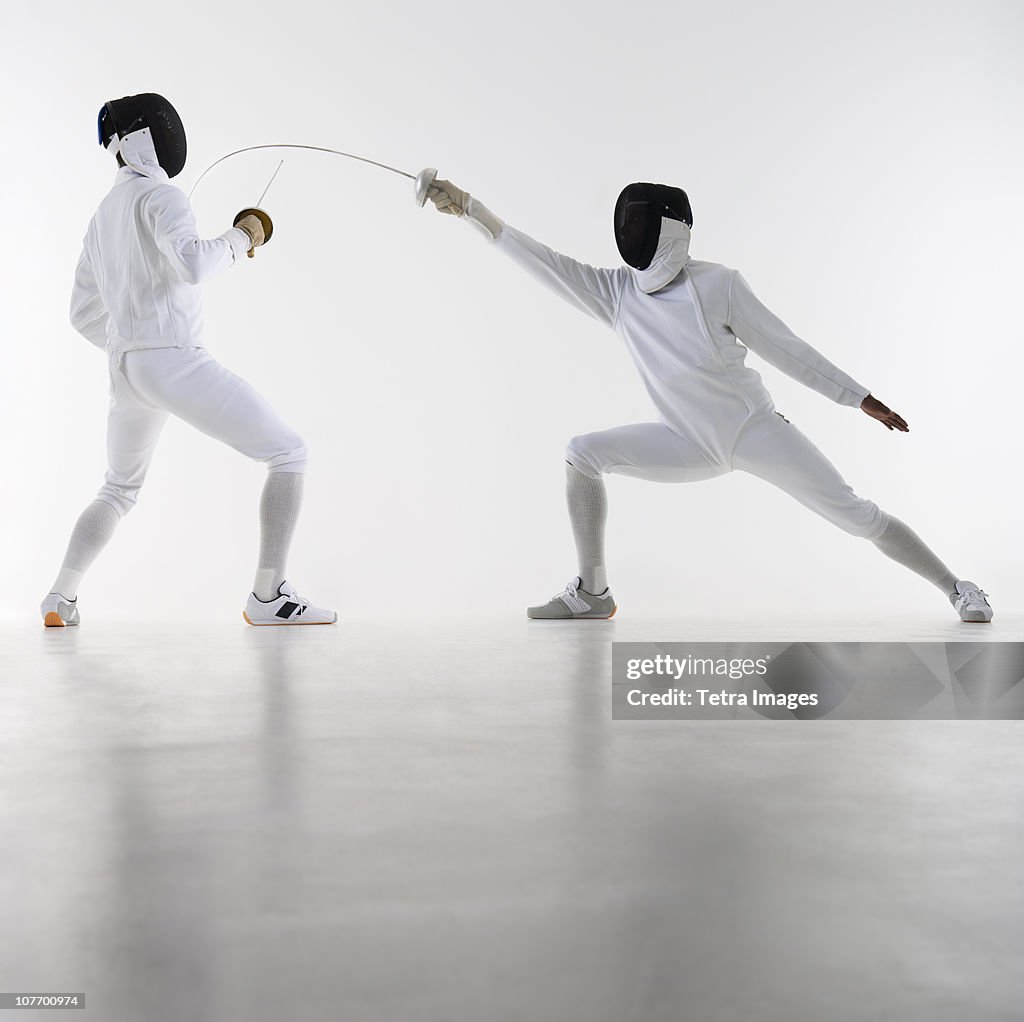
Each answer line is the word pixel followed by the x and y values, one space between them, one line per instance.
pixel 135 286
pixel 685 340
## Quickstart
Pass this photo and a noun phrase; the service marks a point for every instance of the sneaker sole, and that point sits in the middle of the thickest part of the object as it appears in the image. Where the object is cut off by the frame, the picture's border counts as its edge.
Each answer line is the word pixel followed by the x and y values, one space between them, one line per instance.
pixel 53 620
pixel 577 617
pixel 286 624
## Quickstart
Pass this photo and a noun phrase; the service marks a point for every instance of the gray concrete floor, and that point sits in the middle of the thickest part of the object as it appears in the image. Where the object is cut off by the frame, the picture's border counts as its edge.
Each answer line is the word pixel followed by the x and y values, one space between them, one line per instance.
pixel 391 821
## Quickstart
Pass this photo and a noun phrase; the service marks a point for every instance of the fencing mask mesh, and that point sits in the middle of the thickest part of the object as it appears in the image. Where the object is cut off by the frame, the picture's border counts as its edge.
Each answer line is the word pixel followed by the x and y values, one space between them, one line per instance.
pixel 123 116
pixel 638 214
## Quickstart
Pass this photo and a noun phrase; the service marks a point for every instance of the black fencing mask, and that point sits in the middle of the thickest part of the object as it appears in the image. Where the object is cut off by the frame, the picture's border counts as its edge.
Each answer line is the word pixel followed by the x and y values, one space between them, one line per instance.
pixel 638 213
pixel 124 116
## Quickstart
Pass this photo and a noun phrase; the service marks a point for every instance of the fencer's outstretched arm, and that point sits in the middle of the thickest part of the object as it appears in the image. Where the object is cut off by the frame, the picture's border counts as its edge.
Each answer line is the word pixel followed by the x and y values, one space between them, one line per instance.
pixel 763 332
pixel 174 227
pixel 88 313
pixel 587 288
pixel 590 289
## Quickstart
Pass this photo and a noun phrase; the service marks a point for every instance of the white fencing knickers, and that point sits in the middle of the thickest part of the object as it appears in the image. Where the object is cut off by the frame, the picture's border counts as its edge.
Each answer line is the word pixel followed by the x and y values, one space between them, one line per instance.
pixel 768 447
pixel 147 385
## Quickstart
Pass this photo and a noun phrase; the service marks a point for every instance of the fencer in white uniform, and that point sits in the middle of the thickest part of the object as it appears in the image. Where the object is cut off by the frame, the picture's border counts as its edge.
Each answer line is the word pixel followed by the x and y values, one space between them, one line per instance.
pixel 136 296
pixel 688 325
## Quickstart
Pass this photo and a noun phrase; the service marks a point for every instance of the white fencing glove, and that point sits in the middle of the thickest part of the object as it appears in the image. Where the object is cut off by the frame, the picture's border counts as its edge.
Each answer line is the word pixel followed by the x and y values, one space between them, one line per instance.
pixel 254 228
pixel 449 198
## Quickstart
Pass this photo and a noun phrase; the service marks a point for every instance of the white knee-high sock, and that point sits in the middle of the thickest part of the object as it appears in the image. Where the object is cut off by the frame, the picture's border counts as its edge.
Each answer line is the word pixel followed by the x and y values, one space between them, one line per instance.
pixel 588 511
pixel 903 545
pixel 279 511
pixel 90 535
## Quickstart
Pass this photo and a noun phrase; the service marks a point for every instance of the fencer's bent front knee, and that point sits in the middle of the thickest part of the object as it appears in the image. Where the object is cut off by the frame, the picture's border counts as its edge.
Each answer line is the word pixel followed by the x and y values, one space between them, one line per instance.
pixel 293 457
pixel 120 496
pixel 578 453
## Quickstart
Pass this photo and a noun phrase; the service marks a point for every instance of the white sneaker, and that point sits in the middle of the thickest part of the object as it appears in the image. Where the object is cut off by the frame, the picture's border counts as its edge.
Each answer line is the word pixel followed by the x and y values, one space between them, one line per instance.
pixel 970 603
pixel 574 602
pixel 287 608
pixel 59 611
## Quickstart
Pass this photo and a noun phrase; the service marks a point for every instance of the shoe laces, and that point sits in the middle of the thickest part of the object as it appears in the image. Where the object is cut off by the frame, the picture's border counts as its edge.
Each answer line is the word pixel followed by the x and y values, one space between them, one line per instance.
pixel 570 590
pixel 294 597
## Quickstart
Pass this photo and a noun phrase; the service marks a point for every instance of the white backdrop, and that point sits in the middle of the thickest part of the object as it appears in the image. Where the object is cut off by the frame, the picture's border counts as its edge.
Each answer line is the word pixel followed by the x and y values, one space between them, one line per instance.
pixel 861 164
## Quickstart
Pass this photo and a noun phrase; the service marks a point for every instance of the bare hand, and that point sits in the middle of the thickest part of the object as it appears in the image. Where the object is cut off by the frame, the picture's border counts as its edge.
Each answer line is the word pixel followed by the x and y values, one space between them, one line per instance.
pixel 886 416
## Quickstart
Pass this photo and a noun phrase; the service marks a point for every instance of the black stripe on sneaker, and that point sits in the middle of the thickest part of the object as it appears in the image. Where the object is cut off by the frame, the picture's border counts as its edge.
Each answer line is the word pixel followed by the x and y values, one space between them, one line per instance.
pixel 287 610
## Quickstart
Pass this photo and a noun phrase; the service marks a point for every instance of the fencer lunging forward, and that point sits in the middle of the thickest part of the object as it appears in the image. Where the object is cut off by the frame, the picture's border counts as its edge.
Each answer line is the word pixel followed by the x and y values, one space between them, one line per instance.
pixel 688 325
pixel 136 296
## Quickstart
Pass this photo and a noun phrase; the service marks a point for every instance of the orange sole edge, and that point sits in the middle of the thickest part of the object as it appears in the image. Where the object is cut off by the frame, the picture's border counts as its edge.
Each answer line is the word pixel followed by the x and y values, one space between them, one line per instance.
pixel 285 624
pixel 53 620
